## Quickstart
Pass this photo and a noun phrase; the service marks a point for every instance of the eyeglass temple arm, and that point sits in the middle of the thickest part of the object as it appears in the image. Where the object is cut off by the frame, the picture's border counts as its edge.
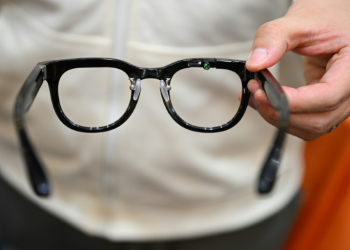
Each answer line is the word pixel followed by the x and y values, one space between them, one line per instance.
pixel 26 96
pixel 279 101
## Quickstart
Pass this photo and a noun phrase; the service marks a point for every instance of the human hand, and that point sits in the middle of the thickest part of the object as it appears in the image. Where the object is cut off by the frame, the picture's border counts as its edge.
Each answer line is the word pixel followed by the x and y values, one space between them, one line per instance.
pixel 319 30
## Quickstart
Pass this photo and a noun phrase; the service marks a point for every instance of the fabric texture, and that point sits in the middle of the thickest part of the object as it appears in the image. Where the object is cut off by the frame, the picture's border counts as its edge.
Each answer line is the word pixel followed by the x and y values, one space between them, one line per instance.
pixel 41 230
pixel 133 182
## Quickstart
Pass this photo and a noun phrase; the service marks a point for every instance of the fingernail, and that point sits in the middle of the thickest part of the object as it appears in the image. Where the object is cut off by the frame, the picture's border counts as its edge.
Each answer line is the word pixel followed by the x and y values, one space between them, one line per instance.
pixel 240 96
pixel 258 56
pixel 253 86
pixel 260 96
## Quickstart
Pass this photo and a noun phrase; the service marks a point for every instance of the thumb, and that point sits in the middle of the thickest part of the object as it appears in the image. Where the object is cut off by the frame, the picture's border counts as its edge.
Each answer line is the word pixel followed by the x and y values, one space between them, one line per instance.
pixel 271 41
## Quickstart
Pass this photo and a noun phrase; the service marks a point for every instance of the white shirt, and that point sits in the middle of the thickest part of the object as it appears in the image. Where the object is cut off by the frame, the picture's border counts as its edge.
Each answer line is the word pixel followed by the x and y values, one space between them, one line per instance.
pixel 150 178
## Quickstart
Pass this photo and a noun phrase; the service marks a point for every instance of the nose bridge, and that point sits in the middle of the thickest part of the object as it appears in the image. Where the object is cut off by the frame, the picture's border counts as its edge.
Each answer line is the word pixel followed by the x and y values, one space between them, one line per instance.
pixel 153 73
pixel 150 73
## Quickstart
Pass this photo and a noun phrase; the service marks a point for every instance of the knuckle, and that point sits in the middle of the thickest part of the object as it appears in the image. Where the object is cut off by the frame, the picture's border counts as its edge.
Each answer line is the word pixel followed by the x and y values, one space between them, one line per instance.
pixel 267 112
pixel 321 126
pixel 274 32
pixel 270 29
pixel 334 102
pixel 270 112
pixel 271 26
pixel 310 137
pixel 332 60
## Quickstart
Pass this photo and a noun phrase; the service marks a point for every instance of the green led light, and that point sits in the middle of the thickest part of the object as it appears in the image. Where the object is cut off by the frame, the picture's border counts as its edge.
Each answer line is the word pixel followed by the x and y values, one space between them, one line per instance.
pixel 206 65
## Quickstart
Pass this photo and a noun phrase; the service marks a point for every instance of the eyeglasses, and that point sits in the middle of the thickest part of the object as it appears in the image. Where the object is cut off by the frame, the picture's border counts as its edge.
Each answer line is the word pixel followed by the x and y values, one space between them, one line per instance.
pixel 52 72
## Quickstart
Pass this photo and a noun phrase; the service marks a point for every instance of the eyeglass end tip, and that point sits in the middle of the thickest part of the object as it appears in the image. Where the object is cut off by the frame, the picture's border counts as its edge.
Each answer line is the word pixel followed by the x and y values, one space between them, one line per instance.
pixel 265 186
pixel 42 190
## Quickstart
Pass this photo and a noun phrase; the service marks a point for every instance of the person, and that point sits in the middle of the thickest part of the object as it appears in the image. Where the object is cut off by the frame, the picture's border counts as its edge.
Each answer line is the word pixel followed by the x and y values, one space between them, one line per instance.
pixel 126 185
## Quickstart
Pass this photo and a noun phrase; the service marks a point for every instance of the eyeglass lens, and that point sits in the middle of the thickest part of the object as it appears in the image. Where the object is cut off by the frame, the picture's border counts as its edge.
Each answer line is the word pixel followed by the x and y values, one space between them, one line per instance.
pixel 94 97
pixel 204 97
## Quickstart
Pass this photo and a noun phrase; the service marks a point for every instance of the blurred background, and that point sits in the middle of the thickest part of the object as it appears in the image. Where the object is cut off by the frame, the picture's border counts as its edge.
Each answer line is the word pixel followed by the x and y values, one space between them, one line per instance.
pixel 151 184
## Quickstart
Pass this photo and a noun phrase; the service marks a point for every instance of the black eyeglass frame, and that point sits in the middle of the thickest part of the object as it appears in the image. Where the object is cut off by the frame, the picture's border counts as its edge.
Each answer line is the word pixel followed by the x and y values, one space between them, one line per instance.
pixel 52 71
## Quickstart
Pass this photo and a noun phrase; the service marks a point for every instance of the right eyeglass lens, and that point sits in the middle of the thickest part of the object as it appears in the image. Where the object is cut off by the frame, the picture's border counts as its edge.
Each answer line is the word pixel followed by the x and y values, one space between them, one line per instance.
pixel 205 97
pixel 94 97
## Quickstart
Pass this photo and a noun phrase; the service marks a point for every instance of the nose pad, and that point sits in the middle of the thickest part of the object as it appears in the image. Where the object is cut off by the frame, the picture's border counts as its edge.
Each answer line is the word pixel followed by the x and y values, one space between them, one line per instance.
pixel 164 90
pixel 136 87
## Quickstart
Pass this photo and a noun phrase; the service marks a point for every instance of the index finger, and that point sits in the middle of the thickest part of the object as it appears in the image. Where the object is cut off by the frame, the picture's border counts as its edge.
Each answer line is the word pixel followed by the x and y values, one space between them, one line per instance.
pixel 327 95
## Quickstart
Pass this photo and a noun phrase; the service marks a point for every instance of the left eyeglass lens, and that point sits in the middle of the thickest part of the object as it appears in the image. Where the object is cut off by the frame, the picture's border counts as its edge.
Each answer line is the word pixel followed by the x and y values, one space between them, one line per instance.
pixel 205 97
pixel 94 97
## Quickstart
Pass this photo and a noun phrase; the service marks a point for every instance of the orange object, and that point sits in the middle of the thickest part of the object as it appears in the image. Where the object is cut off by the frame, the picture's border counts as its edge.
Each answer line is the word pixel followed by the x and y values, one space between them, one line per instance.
pixel 323 222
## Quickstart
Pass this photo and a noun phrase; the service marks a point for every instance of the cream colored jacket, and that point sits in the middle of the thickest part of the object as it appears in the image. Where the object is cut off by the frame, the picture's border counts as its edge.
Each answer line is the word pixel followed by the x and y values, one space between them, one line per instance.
pixel 150 178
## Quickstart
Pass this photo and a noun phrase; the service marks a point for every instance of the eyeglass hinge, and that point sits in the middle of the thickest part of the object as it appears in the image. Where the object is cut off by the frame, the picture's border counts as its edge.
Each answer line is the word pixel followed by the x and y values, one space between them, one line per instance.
pixel 250 75
pixel 132 81
pixel 43 69
pixel 167 81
